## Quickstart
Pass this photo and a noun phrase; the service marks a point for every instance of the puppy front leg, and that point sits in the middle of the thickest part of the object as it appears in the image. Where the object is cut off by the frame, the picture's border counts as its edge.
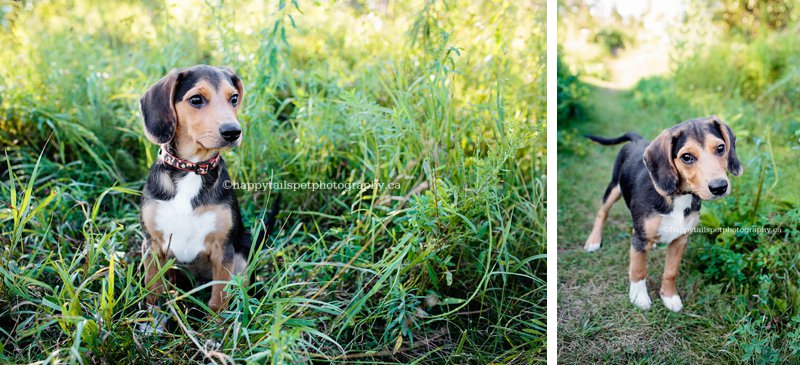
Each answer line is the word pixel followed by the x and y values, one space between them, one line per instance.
pixel 638 275
pixel 154 260
pixel 669 290
pixel 221 269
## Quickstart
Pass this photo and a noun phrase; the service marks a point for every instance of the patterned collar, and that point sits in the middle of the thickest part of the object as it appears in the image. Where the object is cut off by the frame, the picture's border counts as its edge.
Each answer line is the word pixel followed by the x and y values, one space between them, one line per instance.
pixel 200 168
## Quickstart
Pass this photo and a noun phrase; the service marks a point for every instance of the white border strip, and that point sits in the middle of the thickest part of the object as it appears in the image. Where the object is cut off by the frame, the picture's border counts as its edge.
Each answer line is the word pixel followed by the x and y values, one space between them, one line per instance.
pixel 552 172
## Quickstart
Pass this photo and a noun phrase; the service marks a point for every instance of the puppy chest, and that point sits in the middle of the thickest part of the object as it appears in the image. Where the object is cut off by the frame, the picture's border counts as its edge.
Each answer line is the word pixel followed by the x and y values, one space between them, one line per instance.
pixel 677 223
pixel 184 229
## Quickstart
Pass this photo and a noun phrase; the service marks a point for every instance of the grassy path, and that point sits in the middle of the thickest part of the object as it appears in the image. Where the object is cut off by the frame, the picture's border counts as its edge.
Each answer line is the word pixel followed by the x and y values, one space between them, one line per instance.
pixel 596 323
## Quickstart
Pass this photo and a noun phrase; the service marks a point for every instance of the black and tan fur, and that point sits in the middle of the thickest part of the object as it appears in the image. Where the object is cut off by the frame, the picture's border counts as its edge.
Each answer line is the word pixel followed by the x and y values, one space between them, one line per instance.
pixel 684 165
pixel 191 113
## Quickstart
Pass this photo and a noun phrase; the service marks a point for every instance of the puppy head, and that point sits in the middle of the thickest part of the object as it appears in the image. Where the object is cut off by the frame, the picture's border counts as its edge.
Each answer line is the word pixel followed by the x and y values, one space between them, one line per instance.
pixel 194 108
pixel 693 157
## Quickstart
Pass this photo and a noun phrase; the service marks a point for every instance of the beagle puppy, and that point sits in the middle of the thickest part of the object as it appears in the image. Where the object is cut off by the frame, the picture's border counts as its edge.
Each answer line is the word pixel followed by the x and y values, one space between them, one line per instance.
pixel 188 210
pixel 663 183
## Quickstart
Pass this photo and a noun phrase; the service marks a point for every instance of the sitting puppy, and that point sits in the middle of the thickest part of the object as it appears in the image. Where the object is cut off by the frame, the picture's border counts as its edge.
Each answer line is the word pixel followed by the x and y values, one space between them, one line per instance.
pixel 188 210
pixel 663 182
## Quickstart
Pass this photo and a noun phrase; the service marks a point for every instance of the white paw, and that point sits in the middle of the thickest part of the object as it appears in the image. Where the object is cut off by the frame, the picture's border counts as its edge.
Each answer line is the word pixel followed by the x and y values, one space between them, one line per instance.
pixel 638 294
pixel 591 247
pixel 593 241
pixel 673 302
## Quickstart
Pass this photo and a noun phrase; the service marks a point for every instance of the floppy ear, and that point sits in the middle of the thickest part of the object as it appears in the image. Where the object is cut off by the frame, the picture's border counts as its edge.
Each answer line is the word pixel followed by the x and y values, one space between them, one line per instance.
pixel 734 166
pixel 237 82
pixel 158 109
pixel 659 163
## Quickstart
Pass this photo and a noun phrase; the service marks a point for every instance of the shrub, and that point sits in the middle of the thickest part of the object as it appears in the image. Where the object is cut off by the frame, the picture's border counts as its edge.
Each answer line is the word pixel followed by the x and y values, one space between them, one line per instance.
pixel 571 94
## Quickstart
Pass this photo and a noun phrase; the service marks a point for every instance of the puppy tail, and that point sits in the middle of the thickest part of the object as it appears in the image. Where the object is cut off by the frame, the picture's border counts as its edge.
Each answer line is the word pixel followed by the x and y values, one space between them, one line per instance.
pixel 627 137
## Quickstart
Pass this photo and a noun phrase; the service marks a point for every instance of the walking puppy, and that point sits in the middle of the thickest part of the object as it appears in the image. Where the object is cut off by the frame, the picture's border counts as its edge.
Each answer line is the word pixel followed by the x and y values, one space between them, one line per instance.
pixel 187 212
pixel 663 183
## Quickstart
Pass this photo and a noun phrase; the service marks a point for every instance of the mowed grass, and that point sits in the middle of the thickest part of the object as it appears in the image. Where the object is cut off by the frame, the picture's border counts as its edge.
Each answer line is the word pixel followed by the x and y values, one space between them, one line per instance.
pixel 444 100
pixel 738 280
pixel 597 323
pixel 739 302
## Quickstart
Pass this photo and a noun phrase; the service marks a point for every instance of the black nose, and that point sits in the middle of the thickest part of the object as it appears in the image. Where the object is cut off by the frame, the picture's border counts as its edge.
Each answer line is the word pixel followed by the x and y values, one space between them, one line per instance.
pixel 230 131
pixel 718 186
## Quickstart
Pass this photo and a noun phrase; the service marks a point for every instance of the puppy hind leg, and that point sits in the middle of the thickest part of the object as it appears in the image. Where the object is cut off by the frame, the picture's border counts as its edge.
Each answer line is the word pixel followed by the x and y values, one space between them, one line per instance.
pixel 240 266
pixel 595 238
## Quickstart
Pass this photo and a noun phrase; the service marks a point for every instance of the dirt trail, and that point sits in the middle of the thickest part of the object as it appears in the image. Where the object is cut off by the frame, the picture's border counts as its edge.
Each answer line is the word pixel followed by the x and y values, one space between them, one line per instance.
pixel 632 65
pixel 596 322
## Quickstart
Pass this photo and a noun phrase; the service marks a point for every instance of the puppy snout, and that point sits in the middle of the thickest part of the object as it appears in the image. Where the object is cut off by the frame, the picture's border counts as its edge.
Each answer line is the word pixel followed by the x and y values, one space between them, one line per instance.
pixel 230 131
pixel 718 186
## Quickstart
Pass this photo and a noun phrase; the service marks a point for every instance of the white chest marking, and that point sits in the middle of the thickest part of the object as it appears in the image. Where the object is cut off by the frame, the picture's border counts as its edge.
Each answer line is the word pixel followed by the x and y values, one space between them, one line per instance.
pixel 675 224
pixel 184 231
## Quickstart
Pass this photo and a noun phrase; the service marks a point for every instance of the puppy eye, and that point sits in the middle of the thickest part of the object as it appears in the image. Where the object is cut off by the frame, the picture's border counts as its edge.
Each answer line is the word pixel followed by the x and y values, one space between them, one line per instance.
pixel 720 149
pixel 196 101
pixel 687 158
pixel 235 99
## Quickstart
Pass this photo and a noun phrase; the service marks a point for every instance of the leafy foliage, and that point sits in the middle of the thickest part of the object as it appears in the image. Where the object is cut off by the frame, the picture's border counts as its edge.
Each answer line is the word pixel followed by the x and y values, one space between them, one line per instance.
pixel 571 94
pixel 739 276
pixel 755 17
pixel 443 100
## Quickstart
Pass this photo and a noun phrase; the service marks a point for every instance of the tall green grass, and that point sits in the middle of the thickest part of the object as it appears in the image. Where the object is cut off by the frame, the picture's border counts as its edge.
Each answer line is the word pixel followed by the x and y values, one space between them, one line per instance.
pixel 753 82
pixel 749 79
pixel 444 99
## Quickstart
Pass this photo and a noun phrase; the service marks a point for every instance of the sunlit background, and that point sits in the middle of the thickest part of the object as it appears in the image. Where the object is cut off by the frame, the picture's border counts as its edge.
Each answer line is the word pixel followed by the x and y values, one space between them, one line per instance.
pixel 644 66
pixel 444 100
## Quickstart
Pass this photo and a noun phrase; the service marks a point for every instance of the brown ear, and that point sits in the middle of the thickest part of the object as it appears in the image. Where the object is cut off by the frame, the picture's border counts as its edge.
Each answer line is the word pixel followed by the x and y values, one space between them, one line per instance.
pixel 158 109
pixel 658 159
pixel 734 166
pixel 237 82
